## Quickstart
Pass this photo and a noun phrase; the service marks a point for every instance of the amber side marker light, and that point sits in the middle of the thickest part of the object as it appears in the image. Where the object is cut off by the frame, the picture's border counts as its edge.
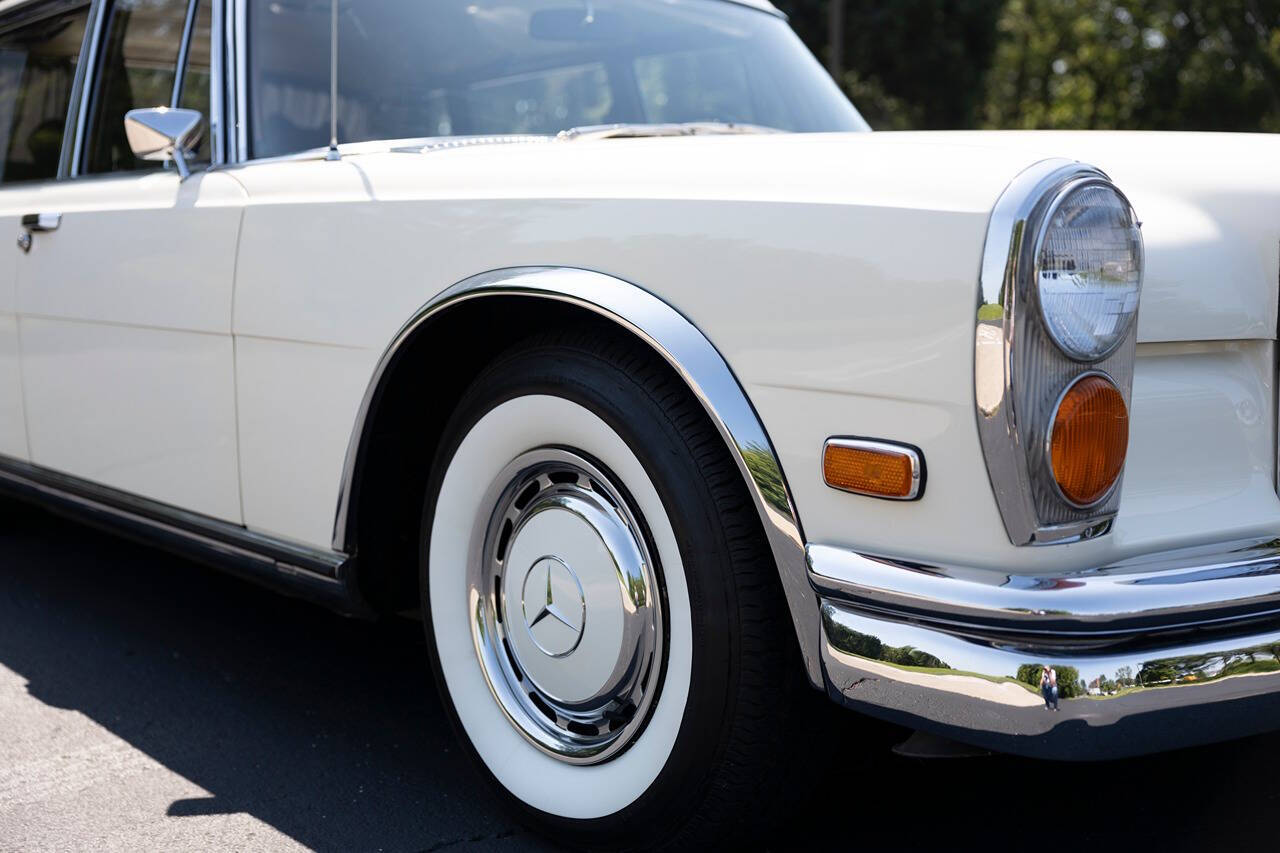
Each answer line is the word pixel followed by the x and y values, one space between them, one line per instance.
pixel 878 468
pixel 1089 439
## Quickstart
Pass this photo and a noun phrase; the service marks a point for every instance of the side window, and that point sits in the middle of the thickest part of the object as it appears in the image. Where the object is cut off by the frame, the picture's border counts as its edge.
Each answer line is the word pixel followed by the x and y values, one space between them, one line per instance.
pixel 37 67
pixel 139 53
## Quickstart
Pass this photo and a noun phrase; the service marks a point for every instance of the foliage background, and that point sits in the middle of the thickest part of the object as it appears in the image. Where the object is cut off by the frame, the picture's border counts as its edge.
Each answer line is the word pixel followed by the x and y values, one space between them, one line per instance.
pixel 1068 679
pixel 1137 64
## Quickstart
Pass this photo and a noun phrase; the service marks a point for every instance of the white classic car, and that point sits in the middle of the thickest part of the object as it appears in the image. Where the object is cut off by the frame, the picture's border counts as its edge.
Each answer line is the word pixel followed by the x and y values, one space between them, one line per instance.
pixel 602 334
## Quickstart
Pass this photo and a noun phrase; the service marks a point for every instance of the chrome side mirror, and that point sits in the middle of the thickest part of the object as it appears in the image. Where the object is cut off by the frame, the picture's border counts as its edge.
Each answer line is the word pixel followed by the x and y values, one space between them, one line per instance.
pixel 163 133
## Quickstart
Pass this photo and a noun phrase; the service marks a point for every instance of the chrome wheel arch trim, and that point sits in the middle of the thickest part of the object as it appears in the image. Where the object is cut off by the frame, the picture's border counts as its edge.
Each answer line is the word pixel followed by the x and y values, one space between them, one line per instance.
pixel 705 372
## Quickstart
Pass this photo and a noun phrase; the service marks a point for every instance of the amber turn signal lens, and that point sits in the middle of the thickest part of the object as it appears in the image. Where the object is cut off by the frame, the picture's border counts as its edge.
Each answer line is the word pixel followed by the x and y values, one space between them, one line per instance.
pixel 1089 439
pixel 871 468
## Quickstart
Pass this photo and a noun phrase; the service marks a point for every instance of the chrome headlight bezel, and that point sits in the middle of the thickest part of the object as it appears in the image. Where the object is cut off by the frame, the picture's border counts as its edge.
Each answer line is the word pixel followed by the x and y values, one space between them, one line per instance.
pixel 1021 370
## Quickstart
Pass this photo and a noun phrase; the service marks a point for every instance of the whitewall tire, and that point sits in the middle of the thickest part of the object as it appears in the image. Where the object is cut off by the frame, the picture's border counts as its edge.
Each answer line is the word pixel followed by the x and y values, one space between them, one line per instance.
pixel 605 629
pixel 544 782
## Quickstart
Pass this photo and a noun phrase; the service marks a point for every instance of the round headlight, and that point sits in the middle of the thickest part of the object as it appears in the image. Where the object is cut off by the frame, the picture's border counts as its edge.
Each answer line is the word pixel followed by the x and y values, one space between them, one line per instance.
pixel 1089 270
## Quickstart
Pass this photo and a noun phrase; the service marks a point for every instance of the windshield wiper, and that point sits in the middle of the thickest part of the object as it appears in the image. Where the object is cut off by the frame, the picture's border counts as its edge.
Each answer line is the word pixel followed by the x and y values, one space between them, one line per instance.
pixel 639 130
pixel 596 131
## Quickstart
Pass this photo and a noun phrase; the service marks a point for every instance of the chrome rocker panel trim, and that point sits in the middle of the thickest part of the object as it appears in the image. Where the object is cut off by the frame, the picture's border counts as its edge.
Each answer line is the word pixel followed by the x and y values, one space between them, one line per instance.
pixel 1198 631
pixel 324 577
pixel 677 340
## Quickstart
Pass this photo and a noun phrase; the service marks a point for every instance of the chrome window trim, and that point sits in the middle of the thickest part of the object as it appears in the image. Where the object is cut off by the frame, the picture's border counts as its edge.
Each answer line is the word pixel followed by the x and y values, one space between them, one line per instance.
pixel 238 127
pixel 85 76
pixel 184 48
pixel 14 14
pixel 1004 321
pixel 912 453
pixel 217 120
pixel 681 344
pixel 762 6
pixel 8 6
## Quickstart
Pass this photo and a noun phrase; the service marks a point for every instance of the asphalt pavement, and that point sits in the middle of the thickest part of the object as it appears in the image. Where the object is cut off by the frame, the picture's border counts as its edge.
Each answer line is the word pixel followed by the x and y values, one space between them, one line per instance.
pixel 147 703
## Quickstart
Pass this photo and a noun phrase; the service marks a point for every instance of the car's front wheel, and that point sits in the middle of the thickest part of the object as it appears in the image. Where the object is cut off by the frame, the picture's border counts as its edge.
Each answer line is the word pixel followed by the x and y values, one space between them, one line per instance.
pixel 605 623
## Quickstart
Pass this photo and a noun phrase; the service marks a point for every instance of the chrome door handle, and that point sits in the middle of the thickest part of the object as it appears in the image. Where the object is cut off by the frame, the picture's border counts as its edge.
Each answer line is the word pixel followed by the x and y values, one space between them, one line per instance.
pixel 33 222
pixel 42 221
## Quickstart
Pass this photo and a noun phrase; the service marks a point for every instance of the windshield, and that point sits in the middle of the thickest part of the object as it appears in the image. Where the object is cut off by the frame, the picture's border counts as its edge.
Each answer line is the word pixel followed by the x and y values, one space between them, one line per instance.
pixel 415 68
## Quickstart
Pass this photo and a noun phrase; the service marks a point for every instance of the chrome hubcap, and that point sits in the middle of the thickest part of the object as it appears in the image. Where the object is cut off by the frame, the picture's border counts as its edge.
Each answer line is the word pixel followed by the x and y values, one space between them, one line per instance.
pixel 568 617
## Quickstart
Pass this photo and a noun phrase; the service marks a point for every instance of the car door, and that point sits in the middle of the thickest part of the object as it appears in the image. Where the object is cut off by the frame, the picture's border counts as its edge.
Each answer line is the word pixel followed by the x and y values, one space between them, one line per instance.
pixel 40 45
pixel 124 302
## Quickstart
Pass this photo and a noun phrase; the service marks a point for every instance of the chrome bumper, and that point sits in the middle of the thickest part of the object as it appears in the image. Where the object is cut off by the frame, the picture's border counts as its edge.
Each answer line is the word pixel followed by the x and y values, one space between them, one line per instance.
pixel 1179 649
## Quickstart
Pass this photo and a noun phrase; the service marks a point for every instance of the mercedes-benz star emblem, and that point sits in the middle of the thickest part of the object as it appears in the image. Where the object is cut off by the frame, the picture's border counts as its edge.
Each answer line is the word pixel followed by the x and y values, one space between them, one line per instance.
pixel 555 610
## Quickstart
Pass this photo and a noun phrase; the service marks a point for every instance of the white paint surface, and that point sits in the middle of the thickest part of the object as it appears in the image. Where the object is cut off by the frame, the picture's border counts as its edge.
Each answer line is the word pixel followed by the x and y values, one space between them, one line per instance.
pixel 124 314
pixel 836 273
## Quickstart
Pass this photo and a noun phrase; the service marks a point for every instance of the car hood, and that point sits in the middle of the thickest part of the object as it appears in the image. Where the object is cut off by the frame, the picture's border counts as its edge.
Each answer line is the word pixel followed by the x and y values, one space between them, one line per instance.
pixel 1210 210
pixel 1209 203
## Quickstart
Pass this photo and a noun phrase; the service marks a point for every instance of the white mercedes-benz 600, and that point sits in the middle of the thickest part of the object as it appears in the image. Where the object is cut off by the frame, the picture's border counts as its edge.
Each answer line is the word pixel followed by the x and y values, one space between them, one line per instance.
pixel 602 334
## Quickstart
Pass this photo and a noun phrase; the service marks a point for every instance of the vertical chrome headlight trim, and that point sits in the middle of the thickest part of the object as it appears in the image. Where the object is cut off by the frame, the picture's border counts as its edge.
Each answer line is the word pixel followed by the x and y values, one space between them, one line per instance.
pixel 1019 372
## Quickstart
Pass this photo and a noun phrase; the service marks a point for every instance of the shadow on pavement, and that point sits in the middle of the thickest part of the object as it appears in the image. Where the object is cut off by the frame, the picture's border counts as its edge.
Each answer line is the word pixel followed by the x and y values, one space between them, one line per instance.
pixel 330 730
pixel 326 728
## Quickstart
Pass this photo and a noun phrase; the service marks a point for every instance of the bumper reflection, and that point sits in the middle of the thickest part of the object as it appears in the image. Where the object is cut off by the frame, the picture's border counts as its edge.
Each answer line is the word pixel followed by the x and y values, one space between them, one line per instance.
pixel 1051 704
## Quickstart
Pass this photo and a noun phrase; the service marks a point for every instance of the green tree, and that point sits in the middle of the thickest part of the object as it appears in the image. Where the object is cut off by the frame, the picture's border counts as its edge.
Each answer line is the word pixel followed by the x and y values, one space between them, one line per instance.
pixel 1156 672
pixel 909 63
pixel 871 647
pixel 1069 681
pixel 1152 64
pixel 1149 64
pixel 1029 673
pixel 764 470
